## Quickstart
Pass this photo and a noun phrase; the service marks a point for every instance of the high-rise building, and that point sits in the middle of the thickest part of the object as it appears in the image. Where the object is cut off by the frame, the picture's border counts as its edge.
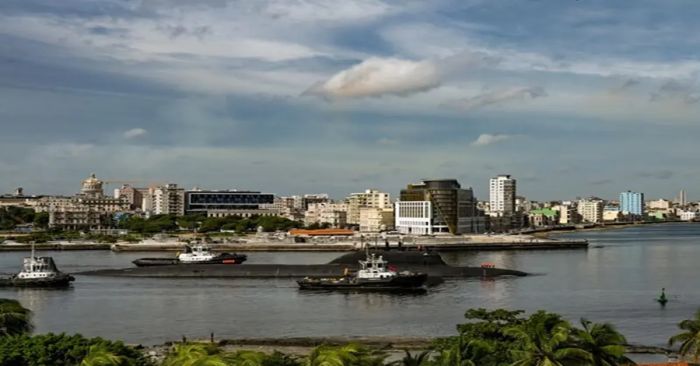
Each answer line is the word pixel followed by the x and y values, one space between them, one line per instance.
pixel 169 199
pixel 370 198
pixel 632 203
pixel 591 210
pixel 682 198
pixel 502 196
pixel 229 203
pixel 437 206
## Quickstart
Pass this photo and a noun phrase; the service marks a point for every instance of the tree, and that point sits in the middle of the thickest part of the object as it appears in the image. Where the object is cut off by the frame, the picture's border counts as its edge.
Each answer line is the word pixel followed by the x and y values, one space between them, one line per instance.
pixel 245 358
pixel 14 318
pixel 689 338
pixel 347 355
pixel 545 340
pixel 420 359
pixel 194 355
pixel 603 342
pixel 41 220
pixel 99 355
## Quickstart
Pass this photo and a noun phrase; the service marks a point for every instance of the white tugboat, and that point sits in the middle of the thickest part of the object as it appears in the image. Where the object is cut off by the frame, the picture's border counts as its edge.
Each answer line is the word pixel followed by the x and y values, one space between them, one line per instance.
pixel 195 254
pixel 374 274
pixel 38 272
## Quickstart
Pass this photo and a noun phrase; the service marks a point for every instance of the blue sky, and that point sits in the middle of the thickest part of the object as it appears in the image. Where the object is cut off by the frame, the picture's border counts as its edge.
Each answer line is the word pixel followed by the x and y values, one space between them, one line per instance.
pixel 572 98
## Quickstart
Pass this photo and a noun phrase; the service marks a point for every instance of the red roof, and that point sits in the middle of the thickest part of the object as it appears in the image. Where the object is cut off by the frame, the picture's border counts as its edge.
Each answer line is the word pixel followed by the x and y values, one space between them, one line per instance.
pixel 321 232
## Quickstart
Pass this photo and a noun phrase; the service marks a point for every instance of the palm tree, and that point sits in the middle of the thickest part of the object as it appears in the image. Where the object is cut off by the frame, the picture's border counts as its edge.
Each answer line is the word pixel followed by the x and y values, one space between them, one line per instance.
pixel 419 359
pixel 465 353
pixel 99 355
pixel 348 355
pixel 545 340
pixel 605 344
pixel 14 318
pixel 689 338
pixel 245 358
pixel 193 355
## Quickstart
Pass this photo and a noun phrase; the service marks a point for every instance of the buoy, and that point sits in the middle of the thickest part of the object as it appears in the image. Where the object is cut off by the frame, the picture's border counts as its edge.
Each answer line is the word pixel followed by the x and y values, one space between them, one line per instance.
pixel 662 299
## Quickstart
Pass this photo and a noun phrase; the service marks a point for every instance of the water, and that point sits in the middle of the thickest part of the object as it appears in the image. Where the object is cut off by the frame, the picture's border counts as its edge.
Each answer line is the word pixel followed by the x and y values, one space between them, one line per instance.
pixel 616 280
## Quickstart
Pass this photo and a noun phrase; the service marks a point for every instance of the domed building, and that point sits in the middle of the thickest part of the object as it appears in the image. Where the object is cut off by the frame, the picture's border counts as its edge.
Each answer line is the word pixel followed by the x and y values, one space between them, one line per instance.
pixel 92 187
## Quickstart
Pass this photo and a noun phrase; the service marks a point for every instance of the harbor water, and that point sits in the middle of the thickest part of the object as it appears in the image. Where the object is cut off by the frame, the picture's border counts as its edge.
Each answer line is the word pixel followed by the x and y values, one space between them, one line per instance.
pixel 615 280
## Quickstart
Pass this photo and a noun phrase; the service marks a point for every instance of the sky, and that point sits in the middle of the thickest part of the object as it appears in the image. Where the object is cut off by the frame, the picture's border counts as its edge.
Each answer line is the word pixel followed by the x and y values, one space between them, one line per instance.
pixel 570 97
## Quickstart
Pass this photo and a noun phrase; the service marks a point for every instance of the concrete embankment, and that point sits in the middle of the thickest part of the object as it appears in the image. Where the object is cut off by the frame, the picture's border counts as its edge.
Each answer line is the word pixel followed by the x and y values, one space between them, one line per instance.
pixel 432 264
pixel 54 246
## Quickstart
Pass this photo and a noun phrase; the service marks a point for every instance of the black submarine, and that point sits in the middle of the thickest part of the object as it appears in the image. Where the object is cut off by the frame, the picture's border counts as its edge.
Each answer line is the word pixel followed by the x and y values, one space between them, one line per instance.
pixel 430 263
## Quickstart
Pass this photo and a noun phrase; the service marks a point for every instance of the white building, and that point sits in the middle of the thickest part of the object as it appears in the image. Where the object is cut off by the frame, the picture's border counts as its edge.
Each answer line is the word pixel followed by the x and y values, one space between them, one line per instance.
pixel 689 215
pixel 502 196
pixel 660 204
pixel 370 198
pixel 374 219
pixel 169 199
pixel 416 217
pixel 334 214
pixel 591 210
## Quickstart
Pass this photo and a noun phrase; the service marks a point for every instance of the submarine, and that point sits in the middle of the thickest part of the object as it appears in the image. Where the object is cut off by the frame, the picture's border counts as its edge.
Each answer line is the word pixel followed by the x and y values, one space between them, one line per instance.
pixel 430 263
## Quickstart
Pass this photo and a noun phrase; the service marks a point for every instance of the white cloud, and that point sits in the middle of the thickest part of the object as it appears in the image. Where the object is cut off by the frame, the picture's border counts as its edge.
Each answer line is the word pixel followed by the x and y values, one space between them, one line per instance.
pixel 325 10
pixel 498 97
pixel 135 133
pixel 489 139
pixel 380 76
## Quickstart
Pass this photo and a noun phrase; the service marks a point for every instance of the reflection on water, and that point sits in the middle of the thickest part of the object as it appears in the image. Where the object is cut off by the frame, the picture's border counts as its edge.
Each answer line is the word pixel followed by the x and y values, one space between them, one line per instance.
pixel 616 282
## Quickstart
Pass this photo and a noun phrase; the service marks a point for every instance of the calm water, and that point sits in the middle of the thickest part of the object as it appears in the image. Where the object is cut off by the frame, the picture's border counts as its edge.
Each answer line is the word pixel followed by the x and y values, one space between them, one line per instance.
pixel 616 281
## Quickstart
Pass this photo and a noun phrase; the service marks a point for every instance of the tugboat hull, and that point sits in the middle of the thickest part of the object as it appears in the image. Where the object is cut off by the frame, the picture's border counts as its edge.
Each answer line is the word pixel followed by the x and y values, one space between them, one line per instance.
pixel 59 281
pixel 224 258
pixel 410 282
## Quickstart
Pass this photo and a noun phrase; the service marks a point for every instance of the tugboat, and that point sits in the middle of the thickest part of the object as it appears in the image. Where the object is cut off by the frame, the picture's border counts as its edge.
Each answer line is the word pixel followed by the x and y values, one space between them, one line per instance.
pixel 38 272
pixel 375 274
pixel 196 254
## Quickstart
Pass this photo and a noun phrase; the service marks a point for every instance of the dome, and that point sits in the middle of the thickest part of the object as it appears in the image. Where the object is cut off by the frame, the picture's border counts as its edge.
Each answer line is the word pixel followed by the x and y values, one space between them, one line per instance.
pixel 92 186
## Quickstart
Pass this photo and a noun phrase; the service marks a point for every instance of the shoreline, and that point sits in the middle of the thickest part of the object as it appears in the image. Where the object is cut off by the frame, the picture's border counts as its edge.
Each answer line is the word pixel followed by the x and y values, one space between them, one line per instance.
pixel 392 345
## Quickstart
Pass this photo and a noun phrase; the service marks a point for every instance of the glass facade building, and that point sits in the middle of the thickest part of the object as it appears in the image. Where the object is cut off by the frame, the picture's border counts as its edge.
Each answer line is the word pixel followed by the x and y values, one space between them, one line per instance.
pixel 205 201
pixel 632 203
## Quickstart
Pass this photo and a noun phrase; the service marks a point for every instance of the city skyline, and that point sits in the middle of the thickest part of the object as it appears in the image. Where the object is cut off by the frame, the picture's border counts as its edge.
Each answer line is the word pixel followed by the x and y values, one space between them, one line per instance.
pixel 250 95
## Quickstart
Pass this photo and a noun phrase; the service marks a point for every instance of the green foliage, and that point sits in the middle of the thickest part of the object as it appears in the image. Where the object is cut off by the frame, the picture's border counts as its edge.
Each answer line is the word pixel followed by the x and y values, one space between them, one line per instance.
pixel 603 342
pixel 14 318
pixel 11 216
pixel 348 355
pixel 63 350
pixel 41 220
pixel 152 225
pixel 189 354
pixel 689 338
pixel 99 355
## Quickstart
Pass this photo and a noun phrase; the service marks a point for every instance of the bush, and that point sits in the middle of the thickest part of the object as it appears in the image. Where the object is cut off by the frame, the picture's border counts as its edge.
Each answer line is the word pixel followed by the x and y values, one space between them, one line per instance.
pixel 61 350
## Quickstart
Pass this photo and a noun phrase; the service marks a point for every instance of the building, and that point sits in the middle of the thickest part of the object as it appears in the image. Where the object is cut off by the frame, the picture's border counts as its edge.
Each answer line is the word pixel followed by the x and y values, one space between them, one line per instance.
pixel 86 211
pixel 310 199
pixel 228 203
pixel 437 206
pixel 169 200
pixel 370 198
pixel 689 215
pixel 632 203
pixel 660 204
pixel 133 196
pixel 502 196
pixel 612 214
pixel 568 214
pixel 18 198
pixel 591 210
pixel 682 198
pixel 543 217
pixel 333 214
pixel 373 219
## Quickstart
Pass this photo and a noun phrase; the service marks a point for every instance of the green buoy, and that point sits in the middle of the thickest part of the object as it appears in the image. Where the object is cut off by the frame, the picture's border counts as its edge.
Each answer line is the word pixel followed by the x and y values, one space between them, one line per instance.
pixel 662 299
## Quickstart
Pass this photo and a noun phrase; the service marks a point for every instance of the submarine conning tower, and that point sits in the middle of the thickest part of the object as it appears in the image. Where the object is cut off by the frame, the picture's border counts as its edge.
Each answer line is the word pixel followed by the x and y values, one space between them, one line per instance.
pixel 393 256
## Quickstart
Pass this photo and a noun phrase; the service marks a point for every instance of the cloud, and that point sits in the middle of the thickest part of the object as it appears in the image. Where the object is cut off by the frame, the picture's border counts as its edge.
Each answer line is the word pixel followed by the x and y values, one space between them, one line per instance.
pixel 683 91
pixel 498 97
pixel 600 182
pixel 387 141
pixel 375 77
pixel 661 174
pixel 135 133
pixel 489 139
